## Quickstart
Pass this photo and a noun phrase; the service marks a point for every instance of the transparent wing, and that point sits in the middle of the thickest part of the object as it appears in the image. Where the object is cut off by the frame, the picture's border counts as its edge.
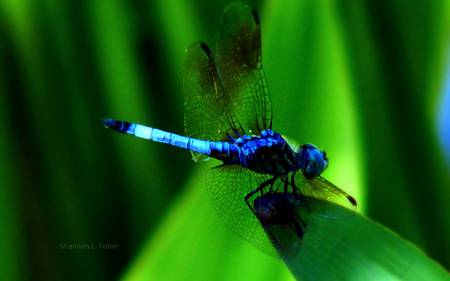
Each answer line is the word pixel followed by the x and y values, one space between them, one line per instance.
pixel 227 186
pixel 322 189
pixel 238 57
pixel 227 94
pixel 206 114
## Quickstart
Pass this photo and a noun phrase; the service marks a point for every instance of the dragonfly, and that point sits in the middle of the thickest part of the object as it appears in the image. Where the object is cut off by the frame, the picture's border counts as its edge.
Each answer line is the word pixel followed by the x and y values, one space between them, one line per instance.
pixel 228 117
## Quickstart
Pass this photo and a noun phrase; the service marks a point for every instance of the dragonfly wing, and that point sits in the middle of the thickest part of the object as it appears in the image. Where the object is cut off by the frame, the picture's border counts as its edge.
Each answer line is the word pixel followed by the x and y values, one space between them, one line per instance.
pixel 238 57
pixel 206 115
pixel 227 94
pixel 322 189
pixel 228 185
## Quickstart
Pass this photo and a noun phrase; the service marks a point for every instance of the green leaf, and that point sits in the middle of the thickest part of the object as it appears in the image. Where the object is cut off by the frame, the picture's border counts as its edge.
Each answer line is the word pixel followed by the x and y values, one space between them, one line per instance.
pixel 349 246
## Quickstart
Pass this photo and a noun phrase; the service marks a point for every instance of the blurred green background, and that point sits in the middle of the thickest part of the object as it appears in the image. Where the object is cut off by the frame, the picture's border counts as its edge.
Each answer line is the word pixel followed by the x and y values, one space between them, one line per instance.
pixel 362 79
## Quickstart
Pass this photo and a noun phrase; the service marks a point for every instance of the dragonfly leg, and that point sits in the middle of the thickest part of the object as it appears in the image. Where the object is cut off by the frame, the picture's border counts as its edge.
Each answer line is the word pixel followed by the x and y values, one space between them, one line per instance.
pixel 285 180
pixel 286 184
pixel 294 187
pixel 296 191
pixel 259 189
pixel 298 223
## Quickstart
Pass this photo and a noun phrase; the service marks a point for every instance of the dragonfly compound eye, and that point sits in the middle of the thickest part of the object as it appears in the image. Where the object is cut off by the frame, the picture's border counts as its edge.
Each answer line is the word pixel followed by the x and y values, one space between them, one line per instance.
pixel 312 160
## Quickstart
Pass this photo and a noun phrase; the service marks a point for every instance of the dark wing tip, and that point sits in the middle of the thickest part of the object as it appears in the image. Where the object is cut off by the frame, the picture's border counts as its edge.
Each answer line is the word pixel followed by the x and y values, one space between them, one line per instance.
pixel 255 16
pixel 205 48
pixel 352 200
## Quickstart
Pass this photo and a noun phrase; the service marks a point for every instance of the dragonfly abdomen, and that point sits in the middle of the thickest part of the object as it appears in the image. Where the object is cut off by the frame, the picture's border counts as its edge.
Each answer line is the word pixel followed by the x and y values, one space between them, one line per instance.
pixel 225 151
pixel 217 149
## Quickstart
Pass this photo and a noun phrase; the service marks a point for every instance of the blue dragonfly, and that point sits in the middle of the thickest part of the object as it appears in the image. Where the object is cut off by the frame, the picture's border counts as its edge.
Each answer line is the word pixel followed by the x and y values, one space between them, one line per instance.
pixel 228 117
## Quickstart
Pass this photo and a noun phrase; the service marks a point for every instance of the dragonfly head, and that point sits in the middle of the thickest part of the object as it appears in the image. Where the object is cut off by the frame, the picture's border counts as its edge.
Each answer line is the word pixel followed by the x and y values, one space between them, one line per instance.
pixel 311 160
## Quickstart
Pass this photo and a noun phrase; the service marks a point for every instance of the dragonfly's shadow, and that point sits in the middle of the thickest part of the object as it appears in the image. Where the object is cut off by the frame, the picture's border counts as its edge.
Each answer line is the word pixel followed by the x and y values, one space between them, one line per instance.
pixel 286 218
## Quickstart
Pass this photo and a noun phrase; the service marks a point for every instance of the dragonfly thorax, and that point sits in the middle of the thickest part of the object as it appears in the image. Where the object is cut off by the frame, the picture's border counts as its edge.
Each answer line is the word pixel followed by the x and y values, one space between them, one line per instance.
pixel 267 153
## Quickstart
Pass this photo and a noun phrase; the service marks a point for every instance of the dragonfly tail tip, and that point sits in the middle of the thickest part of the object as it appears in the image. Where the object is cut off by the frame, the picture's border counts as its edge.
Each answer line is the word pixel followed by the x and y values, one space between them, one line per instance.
pixel 107 122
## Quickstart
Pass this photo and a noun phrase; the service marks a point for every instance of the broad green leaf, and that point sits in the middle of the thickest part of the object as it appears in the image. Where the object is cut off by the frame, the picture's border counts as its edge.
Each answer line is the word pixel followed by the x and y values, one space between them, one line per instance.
pixel 353 248
pixel 347 246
